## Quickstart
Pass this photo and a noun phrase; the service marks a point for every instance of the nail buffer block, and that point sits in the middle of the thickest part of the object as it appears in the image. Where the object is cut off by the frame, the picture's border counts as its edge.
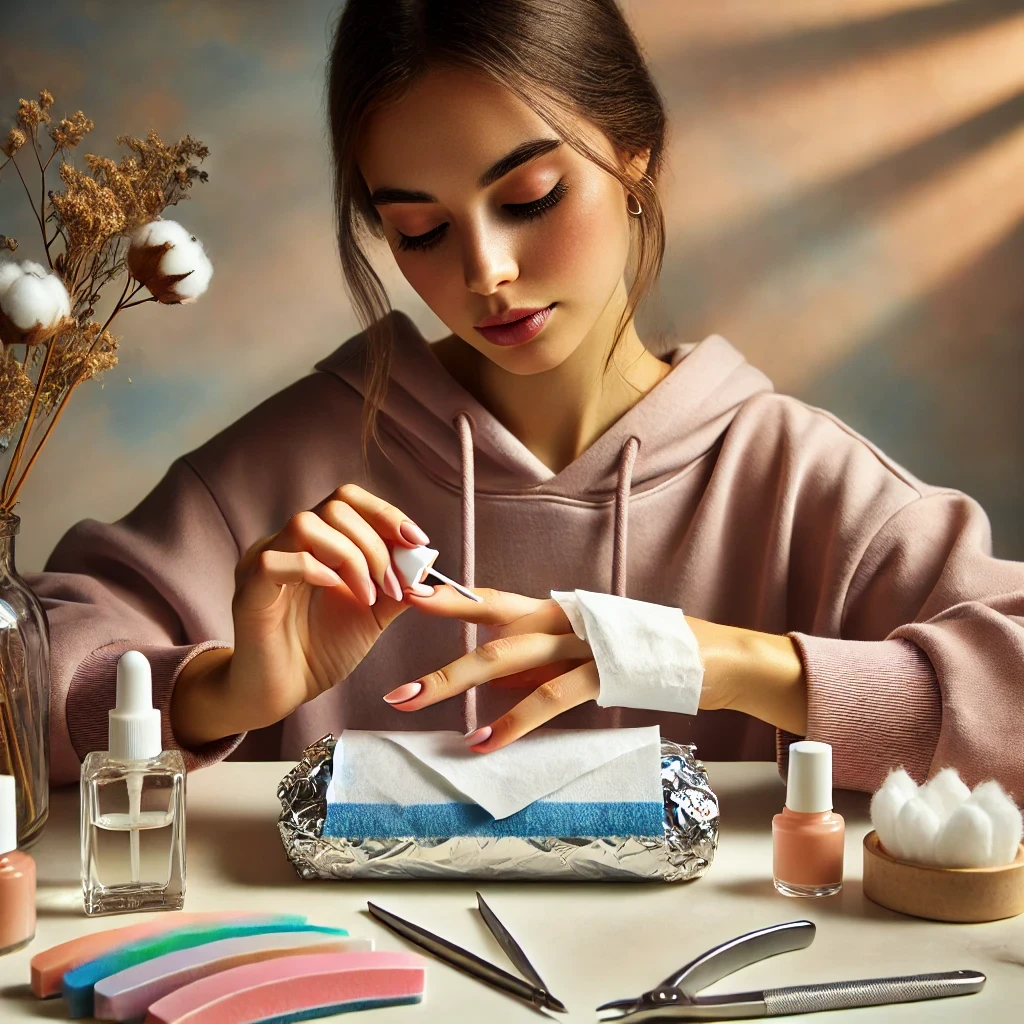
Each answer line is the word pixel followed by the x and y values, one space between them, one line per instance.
pixel 50 965
pixel 295 988
pixel 129 993
pixel 78 985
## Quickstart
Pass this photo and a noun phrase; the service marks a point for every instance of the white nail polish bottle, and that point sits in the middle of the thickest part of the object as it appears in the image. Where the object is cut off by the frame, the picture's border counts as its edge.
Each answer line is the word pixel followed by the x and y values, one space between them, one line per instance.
pixel 413 564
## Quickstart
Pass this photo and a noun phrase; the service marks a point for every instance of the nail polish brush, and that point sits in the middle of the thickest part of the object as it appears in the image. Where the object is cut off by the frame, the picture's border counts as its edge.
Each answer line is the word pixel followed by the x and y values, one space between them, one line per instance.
pixel 413 564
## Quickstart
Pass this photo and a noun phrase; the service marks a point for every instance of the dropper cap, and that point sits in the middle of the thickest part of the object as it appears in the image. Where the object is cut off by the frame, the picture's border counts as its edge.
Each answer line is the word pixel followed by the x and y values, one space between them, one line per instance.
pixel 134 725
pixel 809 780
pixel 8 815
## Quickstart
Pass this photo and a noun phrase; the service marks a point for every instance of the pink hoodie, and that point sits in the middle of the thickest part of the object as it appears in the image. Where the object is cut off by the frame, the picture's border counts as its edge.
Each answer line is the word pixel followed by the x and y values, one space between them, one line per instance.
pixel 743 507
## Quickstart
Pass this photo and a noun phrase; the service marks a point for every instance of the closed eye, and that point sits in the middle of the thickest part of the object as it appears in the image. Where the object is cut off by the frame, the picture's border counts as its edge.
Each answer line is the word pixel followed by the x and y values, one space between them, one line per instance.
pixel 523 211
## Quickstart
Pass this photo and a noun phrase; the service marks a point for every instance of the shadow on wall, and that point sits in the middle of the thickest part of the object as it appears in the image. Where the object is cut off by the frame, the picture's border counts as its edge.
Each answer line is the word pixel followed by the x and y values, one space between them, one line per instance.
pixel 940 387
pixel 754 65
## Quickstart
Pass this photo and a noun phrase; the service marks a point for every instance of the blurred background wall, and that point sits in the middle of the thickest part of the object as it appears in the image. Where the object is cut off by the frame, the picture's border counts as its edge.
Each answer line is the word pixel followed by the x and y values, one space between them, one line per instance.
pixel 844 192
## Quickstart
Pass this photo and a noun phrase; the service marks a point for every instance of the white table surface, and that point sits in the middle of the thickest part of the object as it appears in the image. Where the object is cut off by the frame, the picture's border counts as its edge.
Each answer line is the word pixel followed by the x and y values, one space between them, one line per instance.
pixel 590 941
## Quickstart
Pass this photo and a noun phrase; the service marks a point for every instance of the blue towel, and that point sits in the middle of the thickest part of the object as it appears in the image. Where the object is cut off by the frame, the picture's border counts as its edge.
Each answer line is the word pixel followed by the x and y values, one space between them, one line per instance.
pixel 552 783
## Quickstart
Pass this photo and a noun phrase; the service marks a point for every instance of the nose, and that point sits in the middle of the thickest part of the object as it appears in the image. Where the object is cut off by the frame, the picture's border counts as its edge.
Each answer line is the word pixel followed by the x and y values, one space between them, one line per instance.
pixel 488 261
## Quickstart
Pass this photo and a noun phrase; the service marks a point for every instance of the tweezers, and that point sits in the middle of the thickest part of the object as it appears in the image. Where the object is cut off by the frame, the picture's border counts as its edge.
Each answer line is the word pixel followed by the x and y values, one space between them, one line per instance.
pixel 676 997
pixel 533 990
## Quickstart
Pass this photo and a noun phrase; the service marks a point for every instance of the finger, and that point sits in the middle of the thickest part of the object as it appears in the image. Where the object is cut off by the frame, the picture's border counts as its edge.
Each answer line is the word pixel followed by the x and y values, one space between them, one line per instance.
pixel 272 570
pixel 548 618
pixel 488 661
pixel 391 523
pixel 346 520
pixel 306 531
pixel 531 678
pixel 546 702
pixel 497 608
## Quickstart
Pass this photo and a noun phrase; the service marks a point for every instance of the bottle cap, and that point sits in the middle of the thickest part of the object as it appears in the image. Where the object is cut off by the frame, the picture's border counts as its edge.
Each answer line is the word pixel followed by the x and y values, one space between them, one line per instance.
pixel 8 815
pixel 809 780
pixel 134 725
pixel 411 564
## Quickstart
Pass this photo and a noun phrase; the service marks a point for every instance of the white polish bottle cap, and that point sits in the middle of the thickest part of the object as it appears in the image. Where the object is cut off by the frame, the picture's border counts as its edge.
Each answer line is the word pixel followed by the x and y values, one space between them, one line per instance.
pixel 809 780
pixel 134 725
pixel 8 815
pixel 411 564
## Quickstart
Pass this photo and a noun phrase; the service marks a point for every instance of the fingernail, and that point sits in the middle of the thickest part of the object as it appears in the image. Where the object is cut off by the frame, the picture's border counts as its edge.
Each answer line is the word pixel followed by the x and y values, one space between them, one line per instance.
pixel 478 736
pixel 371 591
pixel 422 590
pixel 403 693
pixel 412 533
pixel 391 585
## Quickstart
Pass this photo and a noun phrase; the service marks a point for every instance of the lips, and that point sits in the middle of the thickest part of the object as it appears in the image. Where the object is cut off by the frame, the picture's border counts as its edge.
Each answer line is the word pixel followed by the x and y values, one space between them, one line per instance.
pixel 508 316
pixel 515 326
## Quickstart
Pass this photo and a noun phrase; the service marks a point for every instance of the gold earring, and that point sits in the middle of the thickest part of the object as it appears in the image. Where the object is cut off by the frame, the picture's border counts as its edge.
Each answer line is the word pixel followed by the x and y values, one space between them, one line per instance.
pixel 639 209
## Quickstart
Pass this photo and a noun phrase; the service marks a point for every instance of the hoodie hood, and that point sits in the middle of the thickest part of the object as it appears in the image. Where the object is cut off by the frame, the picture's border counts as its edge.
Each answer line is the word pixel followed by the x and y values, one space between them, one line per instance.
pixel 676 422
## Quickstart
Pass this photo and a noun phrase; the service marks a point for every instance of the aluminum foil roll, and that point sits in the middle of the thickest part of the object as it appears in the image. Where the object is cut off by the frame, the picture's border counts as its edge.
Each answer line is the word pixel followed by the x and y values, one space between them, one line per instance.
pixel 685 851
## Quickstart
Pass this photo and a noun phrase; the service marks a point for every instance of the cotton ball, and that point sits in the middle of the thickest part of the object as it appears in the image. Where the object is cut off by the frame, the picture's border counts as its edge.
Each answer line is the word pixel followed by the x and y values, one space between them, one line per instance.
pixel 1007 824
pixel 945 793
pixel 897 789
pixel 917 825
pixel 966 838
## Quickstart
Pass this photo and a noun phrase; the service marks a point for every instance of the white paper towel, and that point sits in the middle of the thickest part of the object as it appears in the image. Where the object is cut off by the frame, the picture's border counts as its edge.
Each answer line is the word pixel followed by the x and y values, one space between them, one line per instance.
pixel 646 654
pixel 588 765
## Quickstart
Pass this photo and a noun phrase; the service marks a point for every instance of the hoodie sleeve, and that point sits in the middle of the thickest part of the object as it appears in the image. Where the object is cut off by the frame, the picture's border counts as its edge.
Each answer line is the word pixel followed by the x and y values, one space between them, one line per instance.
pixel 927 671
pixel 160 580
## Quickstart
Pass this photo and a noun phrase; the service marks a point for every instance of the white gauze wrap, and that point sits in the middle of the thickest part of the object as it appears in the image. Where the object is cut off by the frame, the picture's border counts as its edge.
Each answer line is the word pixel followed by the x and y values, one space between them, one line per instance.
pixel 646 654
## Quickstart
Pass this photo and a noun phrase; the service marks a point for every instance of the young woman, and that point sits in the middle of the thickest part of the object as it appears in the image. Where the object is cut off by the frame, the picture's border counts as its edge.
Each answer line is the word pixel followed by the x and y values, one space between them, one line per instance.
pixel 508 155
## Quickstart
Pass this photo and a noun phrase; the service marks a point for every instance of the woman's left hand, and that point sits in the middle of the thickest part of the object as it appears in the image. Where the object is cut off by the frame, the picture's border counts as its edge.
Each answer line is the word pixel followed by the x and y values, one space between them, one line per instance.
pixel 529 644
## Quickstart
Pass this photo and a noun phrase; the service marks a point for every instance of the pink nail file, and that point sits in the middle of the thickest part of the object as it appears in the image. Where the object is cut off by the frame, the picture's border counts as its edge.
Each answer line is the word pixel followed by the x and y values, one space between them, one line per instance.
pixel 50 965
pixel 295 988
pixel 127 994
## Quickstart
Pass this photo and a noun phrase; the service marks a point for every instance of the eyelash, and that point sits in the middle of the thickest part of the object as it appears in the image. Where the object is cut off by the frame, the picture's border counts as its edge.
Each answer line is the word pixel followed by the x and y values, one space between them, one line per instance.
pixel 524 211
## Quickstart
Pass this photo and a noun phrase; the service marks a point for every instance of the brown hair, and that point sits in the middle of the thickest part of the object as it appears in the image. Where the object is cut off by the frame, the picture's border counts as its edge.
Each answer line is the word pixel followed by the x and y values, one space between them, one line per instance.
pixel 552 54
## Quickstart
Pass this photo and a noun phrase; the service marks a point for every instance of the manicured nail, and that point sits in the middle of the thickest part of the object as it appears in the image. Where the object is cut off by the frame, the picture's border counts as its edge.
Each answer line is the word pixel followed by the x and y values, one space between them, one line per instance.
pixel 371 591
pixel 478 736
pixel 403 693
pixel 391 585
pixel 412 533
pixel 422 590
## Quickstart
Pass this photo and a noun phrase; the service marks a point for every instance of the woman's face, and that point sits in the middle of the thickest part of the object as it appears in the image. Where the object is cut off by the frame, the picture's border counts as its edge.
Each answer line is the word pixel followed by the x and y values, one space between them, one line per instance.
pixel 475 238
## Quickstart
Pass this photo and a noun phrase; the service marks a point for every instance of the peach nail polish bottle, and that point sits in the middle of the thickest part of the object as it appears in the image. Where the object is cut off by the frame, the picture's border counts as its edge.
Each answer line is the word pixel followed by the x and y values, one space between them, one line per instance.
pixel 807 837
pixel 17 877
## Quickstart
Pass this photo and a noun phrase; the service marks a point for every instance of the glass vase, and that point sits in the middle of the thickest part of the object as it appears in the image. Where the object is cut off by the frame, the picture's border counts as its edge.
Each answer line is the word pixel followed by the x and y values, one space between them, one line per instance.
pixel 24 690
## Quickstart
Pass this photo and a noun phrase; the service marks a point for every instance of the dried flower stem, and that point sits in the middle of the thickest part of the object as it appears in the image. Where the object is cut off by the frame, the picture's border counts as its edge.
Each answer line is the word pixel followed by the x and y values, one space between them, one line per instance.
pixel 64 401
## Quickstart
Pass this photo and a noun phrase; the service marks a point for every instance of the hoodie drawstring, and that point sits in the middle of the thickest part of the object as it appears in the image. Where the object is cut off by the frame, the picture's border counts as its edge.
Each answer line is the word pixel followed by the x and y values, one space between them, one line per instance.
pixel 619 546
pixel 627 458
pixel 464 425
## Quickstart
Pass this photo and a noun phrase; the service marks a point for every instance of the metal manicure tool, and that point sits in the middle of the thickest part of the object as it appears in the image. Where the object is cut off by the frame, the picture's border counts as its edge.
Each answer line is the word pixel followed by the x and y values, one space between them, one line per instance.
pixel 676 997
pixel 532 990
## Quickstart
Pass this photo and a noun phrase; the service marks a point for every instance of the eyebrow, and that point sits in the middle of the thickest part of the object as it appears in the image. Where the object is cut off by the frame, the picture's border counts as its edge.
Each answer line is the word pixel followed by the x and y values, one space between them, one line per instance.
pixel 520 155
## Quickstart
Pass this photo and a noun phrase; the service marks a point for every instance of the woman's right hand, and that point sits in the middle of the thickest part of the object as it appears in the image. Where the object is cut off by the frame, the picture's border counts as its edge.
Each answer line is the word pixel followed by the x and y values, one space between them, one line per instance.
pixel 310 601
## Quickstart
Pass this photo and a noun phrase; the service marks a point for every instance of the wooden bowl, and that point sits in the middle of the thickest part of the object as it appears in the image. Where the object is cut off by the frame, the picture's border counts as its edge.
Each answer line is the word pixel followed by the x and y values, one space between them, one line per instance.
pixel 943 894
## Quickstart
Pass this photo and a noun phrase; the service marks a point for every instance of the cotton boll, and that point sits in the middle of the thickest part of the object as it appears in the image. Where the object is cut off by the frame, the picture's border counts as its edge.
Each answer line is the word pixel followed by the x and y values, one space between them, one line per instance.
pixel 1007 823
pixel 917 825
pixel 965 840
pixel 34 302
pixel 885 805
pixel 169 261
pixel 945 793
